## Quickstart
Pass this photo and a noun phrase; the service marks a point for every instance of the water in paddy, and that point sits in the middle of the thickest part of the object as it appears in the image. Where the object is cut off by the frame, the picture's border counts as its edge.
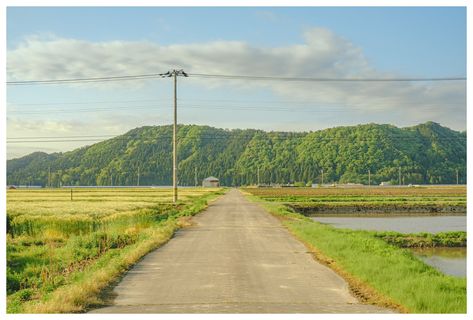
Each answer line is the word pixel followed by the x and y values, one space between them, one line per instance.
pixel 450 261
pixel 403 224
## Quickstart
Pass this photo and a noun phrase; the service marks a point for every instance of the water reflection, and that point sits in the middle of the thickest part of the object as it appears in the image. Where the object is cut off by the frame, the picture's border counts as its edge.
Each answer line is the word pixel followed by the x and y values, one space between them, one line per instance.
pixel 403 224
pixel 450 261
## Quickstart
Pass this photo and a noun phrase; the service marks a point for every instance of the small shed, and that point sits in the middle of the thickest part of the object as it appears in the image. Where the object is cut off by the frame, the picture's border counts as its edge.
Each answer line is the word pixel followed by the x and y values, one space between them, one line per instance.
pixel 210 182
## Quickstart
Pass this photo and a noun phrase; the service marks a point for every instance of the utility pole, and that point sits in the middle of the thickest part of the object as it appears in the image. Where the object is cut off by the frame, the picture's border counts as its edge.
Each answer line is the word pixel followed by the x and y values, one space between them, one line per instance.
pixel 457 176
pixel 257 175
pixel 369 177
pixel 174 73
pixel 111 179
pixel 138 182
pixel 399 175
pixel 195 176
pixel 49 177
pixel 322 171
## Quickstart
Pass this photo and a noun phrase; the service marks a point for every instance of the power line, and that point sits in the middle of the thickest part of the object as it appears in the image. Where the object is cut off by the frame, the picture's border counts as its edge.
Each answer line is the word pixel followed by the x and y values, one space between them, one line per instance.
pixel 252 102
pixel 213 107
pixel 82 80
pixel 309 79
pixel 256 134
pixel 55 137
pixel 42 111
pixel 227 76
pixel 48 141
pixel 84 102
pixel 220 137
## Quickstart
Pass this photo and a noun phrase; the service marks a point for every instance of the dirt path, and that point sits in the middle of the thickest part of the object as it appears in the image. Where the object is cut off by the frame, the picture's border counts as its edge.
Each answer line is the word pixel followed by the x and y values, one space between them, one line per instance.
pixel 237 258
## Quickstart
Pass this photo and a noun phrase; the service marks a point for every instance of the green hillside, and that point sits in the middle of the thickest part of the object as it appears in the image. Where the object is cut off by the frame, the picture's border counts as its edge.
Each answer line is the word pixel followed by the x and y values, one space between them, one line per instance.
pixel 426 153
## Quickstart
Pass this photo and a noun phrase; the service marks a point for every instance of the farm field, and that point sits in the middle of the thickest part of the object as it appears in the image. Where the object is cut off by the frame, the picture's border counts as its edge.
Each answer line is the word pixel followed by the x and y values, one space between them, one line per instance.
pixel 377 265
pixel 431 200
pixel 62 253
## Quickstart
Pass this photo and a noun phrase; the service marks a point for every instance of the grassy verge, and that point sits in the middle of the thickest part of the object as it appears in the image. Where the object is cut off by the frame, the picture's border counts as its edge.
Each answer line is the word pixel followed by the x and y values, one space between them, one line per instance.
pixel 423 240
pixel 59 273
pixel 377 272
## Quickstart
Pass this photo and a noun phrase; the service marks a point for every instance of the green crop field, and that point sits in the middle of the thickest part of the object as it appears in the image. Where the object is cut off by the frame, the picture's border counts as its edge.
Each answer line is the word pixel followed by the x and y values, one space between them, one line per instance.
pixel 61 253
pixel 377 267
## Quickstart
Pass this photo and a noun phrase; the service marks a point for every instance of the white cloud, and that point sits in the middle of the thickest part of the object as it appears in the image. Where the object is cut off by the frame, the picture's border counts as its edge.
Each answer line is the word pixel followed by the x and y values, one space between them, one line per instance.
pixel 322 54
pixel 59 135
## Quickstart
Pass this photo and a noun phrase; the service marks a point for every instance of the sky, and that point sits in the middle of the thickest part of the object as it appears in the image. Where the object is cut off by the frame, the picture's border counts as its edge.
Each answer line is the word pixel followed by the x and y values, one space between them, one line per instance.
pixel 312 42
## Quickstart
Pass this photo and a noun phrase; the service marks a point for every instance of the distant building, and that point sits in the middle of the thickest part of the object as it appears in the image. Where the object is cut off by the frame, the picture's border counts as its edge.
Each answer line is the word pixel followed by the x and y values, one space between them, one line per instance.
pixel 385 183
pixel 210 182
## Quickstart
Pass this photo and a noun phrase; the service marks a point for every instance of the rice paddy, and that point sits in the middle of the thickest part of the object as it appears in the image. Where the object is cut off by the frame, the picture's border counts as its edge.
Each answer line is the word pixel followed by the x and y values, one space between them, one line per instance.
pixel 375 264
pixel 430 200
pixel 53 240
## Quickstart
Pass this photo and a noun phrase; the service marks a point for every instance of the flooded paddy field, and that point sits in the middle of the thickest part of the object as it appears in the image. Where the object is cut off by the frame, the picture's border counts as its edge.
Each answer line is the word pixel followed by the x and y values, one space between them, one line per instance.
pixel 407 210
pixel 451 261
pixel 404 224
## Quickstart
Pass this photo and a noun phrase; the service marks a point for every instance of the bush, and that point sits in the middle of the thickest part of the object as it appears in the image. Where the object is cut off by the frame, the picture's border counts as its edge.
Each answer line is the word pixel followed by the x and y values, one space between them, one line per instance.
pixel 13 281
pixel 25 294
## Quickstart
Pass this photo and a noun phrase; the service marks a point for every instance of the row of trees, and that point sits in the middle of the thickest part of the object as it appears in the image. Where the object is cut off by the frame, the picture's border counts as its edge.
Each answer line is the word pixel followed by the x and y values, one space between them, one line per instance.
pixel 427 153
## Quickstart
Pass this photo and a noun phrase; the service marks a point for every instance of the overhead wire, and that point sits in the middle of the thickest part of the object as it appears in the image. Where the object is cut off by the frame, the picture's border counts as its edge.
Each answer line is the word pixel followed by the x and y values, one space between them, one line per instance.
pixel 228 76
pixel 280 136
pixel 213 107
pixel 201 75
pixel 86 80
pixel 291 102
pixel 311 79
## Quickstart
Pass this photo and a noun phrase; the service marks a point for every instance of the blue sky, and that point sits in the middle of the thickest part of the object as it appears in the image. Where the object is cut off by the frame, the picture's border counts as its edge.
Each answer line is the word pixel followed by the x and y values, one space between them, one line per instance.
pixel 55 43
pixel 407 40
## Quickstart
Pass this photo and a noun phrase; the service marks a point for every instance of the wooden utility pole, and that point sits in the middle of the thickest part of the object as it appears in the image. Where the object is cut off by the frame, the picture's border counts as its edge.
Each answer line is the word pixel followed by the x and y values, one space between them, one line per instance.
pixel 457 176
pixel 49 177
pixel 174 143
pixel 399 175
pixel 138 182
pixel 369 177
pixel 322 171
pixel 174 73
pixel 257 175
pixel 195 176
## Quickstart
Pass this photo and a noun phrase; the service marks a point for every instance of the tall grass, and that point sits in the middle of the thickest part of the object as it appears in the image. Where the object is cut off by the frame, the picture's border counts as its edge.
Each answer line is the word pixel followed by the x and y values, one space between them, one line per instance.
pixel 60 262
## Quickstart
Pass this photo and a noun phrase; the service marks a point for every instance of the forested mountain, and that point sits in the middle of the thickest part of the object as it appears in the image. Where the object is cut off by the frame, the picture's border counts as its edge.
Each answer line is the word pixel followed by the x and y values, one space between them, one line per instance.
pixel 426 153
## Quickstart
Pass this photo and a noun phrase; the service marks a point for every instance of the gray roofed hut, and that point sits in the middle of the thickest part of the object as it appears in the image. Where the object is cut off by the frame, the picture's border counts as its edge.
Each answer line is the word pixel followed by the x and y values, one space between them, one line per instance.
pixel 210 182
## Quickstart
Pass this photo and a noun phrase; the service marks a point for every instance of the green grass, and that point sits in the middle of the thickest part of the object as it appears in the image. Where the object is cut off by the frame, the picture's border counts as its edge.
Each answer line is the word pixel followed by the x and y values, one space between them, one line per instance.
pixel 423 239
pixel 61 262
pixel 369 262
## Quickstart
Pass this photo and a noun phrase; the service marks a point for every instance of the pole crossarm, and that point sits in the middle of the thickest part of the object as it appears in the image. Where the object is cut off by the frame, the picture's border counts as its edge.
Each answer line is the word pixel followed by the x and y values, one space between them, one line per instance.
pixel 170 74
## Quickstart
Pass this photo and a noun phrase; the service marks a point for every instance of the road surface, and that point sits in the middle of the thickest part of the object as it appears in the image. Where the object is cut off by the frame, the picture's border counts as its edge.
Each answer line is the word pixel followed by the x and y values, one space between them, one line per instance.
pixel 237 258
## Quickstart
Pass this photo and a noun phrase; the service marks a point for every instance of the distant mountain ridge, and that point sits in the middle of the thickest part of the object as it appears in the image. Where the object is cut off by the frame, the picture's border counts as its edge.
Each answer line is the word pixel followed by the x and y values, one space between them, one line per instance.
pixel 426 153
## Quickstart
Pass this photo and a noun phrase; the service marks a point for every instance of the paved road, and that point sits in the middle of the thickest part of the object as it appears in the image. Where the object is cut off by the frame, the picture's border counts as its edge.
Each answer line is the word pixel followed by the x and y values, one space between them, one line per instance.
pixel 237 258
